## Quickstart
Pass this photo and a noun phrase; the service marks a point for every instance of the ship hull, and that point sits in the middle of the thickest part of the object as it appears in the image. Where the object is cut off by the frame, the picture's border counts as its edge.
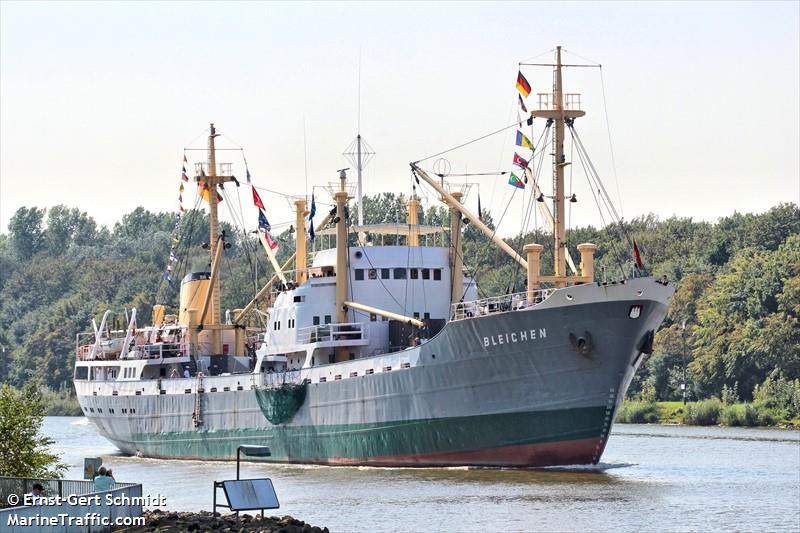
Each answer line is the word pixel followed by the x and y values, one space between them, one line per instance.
pixel 509 389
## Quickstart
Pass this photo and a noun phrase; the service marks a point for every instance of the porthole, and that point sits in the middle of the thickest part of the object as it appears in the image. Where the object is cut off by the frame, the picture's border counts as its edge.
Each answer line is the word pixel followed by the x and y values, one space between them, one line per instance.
pixel 569 297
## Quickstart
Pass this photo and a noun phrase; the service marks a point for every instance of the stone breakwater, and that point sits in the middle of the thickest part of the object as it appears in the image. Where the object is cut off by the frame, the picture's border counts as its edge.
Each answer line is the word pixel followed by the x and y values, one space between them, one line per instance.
pixel 158 521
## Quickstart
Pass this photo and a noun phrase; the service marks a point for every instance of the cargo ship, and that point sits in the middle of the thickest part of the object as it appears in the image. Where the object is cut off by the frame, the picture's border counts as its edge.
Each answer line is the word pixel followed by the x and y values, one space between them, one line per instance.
pixel 378 354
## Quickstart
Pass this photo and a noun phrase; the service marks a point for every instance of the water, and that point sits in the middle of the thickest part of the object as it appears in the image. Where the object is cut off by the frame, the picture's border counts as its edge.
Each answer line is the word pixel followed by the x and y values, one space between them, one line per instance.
pixel 652 478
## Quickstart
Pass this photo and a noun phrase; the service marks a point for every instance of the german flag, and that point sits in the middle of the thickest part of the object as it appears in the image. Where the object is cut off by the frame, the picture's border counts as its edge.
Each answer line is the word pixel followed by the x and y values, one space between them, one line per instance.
pixel 522 85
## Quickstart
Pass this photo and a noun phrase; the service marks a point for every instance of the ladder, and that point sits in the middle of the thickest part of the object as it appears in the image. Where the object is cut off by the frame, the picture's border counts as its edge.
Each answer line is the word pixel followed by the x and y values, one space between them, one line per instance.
pixel 197 416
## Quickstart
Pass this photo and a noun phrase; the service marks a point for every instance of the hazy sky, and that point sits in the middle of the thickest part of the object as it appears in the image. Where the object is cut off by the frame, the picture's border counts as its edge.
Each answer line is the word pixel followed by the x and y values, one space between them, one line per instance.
pixel 98 100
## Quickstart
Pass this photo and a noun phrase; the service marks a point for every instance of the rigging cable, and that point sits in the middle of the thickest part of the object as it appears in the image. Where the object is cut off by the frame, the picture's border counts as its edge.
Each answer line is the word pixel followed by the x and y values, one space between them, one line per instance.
pixel 610 145
pixel 615 251
pixel 514 125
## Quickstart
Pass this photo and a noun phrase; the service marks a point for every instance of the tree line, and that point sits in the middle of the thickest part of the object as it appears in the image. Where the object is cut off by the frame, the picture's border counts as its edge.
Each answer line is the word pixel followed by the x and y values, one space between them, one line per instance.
pixel 736 307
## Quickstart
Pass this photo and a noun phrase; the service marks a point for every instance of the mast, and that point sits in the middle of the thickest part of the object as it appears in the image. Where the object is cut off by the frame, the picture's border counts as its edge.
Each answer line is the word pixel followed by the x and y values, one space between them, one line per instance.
pixel 212 180
pixel 457 250
pixel 301 253
pixel 213 222
pixel 341 258
pixel 560 115
pixel 559 234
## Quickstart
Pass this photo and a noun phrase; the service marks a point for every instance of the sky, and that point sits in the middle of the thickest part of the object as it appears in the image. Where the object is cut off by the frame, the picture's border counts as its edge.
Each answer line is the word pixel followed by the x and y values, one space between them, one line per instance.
pixel 700 101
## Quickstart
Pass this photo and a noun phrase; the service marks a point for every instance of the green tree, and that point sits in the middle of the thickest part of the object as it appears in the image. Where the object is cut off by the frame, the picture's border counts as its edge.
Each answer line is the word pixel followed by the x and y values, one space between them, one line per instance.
pixel 24 451
pixel 26 232
pixel 747 326
pixel 66 226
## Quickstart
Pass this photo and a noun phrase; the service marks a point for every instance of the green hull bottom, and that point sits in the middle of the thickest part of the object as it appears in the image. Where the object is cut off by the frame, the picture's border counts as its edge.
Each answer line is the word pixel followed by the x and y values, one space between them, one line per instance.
pixel 538 438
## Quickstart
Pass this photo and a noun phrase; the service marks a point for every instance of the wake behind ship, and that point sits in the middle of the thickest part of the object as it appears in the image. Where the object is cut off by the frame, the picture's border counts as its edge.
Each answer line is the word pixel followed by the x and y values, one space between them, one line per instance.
pixel 380 354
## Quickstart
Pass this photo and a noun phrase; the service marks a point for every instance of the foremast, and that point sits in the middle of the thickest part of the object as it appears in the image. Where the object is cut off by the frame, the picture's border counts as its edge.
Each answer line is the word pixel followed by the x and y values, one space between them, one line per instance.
pixel 560 116
pixel 551 107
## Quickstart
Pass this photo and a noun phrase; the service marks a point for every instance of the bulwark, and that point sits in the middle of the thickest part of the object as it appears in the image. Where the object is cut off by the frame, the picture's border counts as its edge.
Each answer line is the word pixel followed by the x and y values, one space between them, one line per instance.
pixel 525 335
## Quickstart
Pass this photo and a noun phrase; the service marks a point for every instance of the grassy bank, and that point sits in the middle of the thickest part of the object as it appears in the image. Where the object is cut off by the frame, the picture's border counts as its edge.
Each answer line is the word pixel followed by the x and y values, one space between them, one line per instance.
pixel 704 413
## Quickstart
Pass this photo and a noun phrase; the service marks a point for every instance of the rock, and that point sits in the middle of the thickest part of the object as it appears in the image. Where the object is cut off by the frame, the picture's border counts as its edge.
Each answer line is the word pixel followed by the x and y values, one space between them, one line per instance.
pixel 161 521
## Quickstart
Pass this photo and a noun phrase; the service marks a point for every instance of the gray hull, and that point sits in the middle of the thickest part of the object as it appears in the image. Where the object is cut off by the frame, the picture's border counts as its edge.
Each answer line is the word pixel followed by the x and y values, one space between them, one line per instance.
pixel 525 388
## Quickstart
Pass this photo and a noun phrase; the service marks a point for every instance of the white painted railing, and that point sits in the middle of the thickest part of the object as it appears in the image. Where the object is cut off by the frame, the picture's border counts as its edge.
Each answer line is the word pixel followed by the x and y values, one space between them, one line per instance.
pixel 347 331
pixel 498 304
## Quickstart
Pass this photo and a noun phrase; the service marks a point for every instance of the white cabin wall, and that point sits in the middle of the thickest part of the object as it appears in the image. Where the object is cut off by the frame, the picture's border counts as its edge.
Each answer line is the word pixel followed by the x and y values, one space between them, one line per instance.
pixel 316 299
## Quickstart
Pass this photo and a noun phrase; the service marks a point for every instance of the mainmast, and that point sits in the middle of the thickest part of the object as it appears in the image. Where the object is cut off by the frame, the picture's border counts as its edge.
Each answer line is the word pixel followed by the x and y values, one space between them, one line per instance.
pixel 213 222
pixel 211 179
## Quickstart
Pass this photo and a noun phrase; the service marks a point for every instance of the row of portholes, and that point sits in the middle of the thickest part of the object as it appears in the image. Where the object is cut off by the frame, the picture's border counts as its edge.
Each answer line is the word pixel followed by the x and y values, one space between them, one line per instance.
pixel 367 372
pixel 111 411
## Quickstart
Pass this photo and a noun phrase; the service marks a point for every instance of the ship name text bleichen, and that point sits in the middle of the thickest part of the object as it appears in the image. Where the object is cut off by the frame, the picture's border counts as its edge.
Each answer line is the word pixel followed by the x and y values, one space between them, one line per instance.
pixel 525 335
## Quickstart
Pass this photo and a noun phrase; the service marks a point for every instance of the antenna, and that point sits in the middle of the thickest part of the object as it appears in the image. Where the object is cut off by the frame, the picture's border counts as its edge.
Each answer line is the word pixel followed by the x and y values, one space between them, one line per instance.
pixel 305 154
pixel 359 153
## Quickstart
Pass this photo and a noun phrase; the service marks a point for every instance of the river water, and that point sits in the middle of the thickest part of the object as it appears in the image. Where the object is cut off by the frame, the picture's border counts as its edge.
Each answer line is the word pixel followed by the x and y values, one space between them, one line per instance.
pixel 654 478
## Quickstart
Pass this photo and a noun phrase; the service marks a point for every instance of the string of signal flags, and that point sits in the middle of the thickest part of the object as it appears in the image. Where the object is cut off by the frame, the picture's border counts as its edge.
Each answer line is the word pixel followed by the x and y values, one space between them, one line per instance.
pixel 524 89
pixel 205 193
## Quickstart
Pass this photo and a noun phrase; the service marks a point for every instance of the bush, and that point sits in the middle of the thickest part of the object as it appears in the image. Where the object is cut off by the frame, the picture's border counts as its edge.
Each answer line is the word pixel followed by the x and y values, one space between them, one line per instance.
pixel 62 402
pixel 24 450
pixel 738 415
pixel 704 413
pixel 779 396
pixel 638 412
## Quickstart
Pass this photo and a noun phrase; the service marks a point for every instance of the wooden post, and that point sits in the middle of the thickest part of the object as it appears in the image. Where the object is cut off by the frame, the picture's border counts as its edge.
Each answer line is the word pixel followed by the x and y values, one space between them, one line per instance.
pixel 587 251
pixel 192 329
pixel 533 252
pixel 413 221
pixel 342 272
pixel 457 251
pixel 301 254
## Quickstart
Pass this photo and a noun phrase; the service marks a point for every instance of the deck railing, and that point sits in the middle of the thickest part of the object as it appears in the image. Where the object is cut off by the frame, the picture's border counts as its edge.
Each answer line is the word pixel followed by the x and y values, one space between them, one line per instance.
pixel 498 304
pixel 52 487
pixel 347 331
pixel 273 380
pixel 148 343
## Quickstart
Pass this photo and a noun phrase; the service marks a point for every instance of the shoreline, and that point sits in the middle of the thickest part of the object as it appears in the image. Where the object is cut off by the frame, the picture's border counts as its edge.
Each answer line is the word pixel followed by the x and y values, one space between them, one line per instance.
pixel 707 413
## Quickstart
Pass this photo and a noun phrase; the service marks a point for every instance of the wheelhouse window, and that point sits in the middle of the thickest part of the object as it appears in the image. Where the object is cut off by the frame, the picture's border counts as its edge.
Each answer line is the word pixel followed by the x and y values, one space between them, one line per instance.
pixel 385 273
pixel 426 273
pixel 414 273
pixel 316 321
pixel 359 274
pixel 327 319
pixel 372 273
pixel 399 273
pixel 437 274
